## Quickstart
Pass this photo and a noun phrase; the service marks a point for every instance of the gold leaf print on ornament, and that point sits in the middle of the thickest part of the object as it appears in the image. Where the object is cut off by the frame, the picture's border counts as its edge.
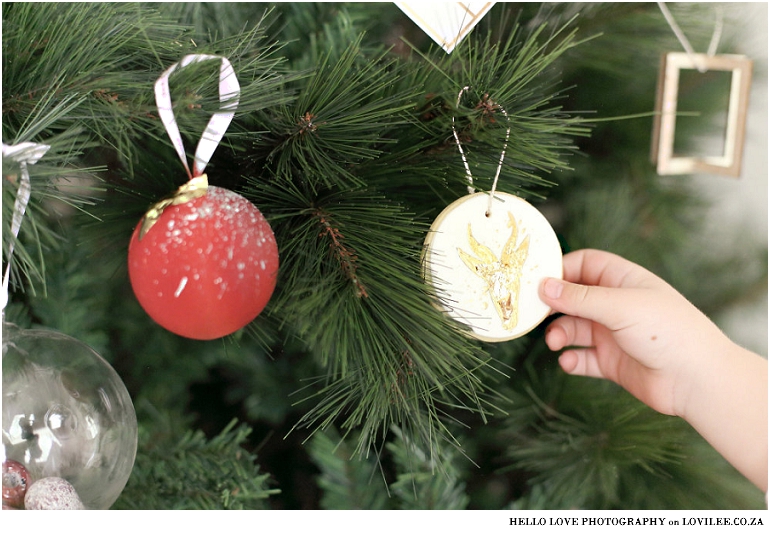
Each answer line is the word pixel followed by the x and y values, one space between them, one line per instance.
pixel 502 276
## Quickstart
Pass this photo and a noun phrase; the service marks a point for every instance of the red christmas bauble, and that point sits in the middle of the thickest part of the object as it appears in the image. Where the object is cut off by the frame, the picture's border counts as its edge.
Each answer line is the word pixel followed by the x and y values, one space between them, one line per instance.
pixel 16 480
pixel 206 267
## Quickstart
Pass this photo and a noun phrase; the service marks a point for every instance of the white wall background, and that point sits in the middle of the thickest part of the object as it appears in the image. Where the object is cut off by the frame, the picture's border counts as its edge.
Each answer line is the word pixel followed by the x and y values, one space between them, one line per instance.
pixel 742 203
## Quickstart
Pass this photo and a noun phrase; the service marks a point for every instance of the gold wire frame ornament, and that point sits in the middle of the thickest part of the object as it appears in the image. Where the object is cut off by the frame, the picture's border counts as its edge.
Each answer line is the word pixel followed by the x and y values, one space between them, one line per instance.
pixel 664 126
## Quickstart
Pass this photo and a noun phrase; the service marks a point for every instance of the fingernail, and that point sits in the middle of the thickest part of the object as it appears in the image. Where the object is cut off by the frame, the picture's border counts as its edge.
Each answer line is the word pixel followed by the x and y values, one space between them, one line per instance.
pixel 553 288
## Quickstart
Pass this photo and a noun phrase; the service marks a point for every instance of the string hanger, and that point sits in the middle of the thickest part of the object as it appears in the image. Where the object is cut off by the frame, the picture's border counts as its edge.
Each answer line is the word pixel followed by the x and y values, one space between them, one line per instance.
pixel 471 188
pixel 715 37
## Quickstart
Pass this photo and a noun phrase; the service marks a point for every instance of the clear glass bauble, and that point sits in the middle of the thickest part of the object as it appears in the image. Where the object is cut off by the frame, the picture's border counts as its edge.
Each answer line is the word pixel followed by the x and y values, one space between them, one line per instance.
pixel 66 414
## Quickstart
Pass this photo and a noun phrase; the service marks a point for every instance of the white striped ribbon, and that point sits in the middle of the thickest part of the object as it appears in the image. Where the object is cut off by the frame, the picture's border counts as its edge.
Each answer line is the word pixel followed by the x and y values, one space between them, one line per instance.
pixel 24 153
pixel 229 92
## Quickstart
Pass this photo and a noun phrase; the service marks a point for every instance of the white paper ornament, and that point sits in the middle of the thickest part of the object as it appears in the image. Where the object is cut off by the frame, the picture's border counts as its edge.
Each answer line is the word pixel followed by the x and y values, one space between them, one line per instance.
pixel 486 265
pixel 447 23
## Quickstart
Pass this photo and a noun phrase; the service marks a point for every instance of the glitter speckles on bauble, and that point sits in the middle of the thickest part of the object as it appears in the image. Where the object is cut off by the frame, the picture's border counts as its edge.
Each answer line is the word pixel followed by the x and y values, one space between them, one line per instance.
pixel 206 267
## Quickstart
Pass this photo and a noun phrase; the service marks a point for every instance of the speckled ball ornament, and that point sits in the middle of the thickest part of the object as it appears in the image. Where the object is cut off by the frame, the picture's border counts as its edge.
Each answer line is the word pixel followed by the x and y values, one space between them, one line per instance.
pixel 16 479
pixel 206 264
pixel 52 493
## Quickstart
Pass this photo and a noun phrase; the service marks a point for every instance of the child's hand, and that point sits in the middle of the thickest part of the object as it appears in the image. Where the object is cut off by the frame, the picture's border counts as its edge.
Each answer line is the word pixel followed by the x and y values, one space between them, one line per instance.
pixel 629 326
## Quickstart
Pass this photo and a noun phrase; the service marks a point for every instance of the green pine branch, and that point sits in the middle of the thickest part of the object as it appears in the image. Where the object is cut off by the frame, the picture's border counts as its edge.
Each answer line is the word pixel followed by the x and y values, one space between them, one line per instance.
pixel 344 257
pixel 351 481
pixel 342 118
pixel 194 472
pixel 417 485
pixel 58 183
pixel 96 52
pixel 348 252
pixel 586 443
pixel 347 481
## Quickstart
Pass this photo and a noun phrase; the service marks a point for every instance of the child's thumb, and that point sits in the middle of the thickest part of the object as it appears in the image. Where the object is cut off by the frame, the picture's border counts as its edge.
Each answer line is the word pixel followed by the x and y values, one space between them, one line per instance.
pixel 596 303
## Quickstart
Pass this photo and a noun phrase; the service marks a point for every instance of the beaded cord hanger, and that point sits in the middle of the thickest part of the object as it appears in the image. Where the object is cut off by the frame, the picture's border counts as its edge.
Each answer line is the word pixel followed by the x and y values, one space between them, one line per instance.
pixel 471 188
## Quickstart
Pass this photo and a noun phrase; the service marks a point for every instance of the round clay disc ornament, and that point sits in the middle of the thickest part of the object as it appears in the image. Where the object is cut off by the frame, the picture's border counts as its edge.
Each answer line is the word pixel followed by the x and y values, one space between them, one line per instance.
pixel 486 264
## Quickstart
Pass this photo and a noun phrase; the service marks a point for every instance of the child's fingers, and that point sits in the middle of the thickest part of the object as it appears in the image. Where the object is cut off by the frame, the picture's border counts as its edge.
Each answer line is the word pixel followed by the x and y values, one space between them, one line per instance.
pixel 606 306
pixel 569 331
pixel 600 268
pixel 581 362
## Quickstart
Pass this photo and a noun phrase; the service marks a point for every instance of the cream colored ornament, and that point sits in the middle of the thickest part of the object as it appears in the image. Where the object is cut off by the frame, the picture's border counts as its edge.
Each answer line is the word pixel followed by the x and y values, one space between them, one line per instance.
pixel 728 162
pixel 486 263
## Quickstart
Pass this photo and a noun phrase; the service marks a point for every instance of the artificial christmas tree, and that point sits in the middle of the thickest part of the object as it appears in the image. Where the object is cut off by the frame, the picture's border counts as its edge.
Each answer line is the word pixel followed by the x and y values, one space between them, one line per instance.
pixel 351 389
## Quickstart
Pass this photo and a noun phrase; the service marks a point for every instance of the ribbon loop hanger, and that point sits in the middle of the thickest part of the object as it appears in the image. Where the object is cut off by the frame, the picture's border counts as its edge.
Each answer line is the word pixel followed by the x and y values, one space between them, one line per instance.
pixel 715 37
pixel 471 188
pixel 23 153
pixel 229 94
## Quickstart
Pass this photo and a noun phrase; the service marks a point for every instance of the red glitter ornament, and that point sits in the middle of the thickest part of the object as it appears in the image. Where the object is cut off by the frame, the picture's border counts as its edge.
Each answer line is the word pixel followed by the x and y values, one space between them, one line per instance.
pixel 16 479
pixel 205 265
